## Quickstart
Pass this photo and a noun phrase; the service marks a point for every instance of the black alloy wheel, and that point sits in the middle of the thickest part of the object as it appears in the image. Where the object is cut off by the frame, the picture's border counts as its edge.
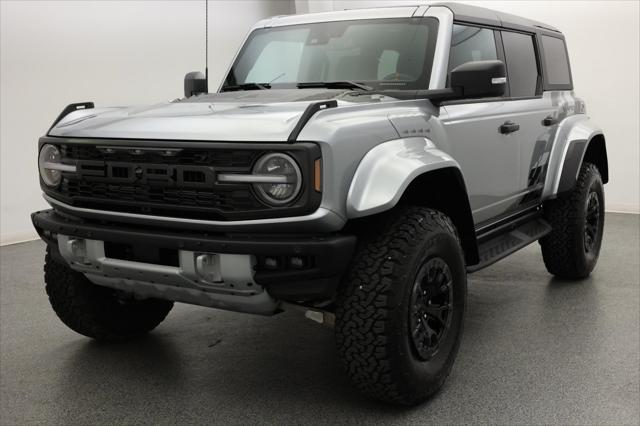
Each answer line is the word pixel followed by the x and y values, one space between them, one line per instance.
pixel 430 315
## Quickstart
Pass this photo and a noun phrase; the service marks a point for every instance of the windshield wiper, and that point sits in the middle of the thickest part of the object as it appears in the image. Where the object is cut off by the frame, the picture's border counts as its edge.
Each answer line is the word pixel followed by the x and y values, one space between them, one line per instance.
pixel 434 95
pixel 334 85
pixel 247 86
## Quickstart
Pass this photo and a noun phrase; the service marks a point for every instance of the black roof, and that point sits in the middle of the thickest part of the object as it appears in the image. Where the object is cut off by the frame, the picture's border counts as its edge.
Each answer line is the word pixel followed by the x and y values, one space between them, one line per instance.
pixel 481 15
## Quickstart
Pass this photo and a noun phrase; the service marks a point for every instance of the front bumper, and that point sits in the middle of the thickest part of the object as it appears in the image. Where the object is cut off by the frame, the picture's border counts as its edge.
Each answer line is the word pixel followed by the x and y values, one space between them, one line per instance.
pixel 325 256
pixel 321 221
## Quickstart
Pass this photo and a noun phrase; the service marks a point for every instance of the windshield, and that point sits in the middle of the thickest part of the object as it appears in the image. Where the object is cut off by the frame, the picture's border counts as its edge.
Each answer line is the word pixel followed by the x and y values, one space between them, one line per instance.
pixel 381 54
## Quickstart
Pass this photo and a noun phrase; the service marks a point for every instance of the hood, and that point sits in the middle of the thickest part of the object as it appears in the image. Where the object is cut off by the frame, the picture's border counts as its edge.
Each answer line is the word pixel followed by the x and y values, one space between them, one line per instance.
pixel 256 116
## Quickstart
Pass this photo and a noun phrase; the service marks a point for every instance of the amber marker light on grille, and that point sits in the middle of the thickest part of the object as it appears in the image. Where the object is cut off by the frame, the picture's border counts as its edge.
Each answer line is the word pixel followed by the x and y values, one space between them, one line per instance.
pixel 317 175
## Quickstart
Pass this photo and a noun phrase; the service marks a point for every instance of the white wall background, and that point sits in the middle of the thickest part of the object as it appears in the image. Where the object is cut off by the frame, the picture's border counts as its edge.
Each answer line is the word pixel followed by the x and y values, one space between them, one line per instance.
pixel 110 52
pixel 53 53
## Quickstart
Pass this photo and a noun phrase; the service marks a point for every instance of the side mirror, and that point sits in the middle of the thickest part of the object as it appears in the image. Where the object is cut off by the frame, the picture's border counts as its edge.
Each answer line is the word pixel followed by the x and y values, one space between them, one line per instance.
pixel 479 79
pixel 195 83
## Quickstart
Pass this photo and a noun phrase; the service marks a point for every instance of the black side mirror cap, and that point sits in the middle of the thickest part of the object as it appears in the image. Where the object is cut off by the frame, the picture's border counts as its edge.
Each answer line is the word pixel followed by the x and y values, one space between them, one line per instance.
pixel 480 79
pixel 195 83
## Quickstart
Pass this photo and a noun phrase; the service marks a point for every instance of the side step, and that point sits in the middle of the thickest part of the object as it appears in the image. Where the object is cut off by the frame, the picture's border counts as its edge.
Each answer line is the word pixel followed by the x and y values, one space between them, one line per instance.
pixel 503 244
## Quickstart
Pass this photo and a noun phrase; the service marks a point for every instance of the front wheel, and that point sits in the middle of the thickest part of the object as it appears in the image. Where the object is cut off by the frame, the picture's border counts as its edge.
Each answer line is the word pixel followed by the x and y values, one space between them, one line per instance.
pixel 99 312
pixel 400 311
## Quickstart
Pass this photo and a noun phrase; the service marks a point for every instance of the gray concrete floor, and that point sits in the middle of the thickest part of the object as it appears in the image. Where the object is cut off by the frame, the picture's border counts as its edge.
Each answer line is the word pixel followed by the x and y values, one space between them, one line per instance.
pixel 535 351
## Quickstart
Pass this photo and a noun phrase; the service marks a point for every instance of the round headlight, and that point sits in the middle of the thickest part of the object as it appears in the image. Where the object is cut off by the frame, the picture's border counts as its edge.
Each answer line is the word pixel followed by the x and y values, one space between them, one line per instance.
pixel 49 155
pixel 286 179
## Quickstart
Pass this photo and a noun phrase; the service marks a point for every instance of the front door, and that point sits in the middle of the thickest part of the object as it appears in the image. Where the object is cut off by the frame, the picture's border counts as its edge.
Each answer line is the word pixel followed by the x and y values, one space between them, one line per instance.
pixel 488 151
pixel 489 159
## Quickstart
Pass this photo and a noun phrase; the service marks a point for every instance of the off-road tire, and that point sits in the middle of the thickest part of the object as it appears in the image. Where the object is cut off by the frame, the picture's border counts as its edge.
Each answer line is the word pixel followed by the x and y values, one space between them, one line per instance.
pixel 374 304
pixel 563 250
pixel 96 311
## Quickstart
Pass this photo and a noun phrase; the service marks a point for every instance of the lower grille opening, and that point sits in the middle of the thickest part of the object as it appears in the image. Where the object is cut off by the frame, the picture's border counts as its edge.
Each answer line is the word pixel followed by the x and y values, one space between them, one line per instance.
pixel 142 253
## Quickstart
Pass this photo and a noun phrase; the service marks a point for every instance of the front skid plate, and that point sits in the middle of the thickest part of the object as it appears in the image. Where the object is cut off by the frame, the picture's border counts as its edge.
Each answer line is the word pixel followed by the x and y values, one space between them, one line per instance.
pixel 260 303
pixel 235 289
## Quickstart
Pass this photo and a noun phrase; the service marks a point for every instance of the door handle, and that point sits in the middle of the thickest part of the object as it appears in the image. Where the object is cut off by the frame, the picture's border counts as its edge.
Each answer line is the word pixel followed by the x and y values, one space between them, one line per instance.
pixel 549 121
pixel 509 127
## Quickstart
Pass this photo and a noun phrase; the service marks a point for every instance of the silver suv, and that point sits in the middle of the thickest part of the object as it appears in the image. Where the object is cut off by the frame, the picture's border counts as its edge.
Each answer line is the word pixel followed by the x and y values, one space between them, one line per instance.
pixel 355 164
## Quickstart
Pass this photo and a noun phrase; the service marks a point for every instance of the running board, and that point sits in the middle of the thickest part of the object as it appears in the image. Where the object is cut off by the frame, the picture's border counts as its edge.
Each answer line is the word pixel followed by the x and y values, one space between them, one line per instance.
pixel 502 245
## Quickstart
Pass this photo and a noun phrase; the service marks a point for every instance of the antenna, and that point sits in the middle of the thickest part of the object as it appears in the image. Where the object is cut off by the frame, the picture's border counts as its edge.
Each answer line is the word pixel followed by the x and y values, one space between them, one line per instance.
pixel 206 41
pixel 194 82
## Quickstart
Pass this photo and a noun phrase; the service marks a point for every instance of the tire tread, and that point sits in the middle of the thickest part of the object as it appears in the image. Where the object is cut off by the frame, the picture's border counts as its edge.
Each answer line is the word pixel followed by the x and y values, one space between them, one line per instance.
pixel 87 308
pixel 560 246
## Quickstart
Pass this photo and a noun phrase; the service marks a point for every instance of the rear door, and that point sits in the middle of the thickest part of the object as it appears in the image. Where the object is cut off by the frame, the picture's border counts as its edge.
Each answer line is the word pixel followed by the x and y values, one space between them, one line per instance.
pixel 531 111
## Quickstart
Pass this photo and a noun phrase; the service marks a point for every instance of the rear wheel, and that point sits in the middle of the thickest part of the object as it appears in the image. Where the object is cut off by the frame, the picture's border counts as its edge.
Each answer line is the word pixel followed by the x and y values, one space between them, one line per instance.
pixel 400 311
pixel 96 311
pixel 572 248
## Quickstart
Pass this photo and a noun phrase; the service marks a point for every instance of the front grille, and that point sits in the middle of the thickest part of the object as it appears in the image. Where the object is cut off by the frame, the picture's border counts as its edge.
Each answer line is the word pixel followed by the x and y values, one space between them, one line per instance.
pixel 190 156
pixel 175 181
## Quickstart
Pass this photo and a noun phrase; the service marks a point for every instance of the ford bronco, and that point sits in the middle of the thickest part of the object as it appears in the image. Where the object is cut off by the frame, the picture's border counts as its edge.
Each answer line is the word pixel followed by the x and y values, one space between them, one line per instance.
pixel 355 164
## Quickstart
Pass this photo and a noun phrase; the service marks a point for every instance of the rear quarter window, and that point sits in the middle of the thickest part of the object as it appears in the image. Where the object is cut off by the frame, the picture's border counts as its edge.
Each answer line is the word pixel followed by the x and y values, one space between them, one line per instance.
pixel 556 62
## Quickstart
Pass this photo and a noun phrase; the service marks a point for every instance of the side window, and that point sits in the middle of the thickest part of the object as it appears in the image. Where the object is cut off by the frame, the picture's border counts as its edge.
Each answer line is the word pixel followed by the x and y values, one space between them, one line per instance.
pixel 522 65
pixel 556 66
pixel 471 44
